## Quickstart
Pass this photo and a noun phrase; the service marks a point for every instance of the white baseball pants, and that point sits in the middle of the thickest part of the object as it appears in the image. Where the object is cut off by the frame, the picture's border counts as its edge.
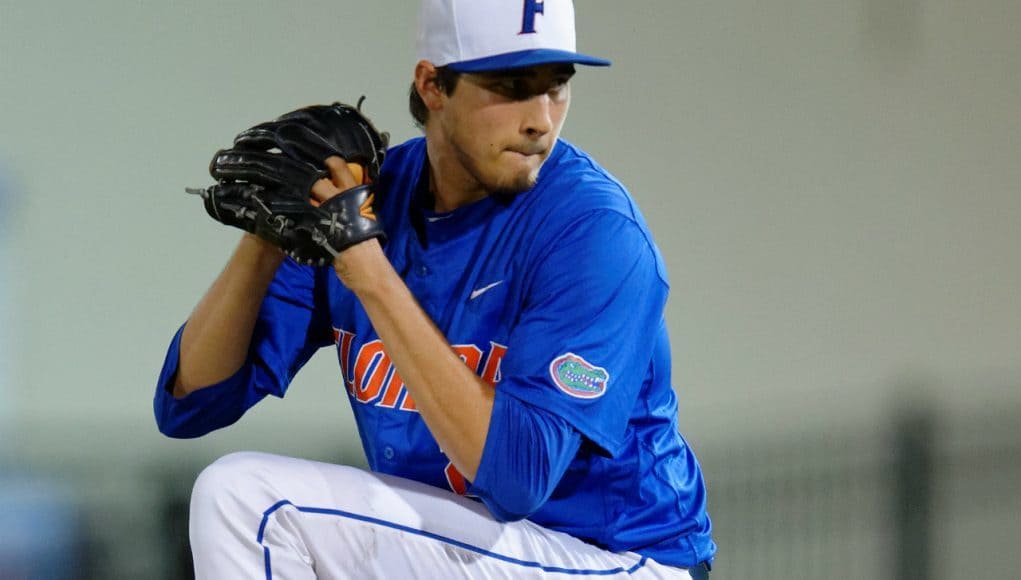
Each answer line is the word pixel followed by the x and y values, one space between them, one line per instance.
pixel 255 515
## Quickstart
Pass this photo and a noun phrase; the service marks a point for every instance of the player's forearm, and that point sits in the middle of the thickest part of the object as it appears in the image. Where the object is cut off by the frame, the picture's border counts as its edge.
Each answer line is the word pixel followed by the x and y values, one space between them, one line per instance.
pixel 216 337
pixel 454 402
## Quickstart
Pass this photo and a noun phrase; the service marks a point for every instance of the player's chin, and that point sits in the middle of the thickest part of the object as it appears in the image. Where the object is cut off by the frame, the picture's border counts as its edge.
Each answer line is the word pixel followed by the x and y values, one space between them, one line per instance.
pixel 520 175
pixel 515 184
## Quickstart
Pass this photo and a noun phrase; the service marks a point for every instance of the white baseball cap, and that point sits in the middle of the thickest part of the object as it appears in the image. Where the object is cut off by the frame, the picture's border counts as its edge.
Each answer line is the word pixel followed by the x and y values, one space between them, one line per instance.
pixel 486 35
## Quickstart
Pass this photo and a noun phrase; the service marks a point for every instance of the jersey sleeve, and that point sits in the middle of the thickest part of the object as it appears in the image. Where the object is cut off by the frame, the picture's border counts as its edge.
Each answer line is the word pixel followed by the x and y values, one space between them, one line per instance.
pixel 582 346
pixel 293 323
pixel 526 453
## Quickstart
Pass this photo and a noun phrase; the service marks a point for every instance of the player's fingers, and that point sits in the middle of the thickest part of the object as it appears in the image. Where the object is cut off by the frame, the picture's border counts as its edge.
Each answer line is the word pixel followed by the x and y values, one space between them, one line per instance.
pixel 323 190
pixel 343 174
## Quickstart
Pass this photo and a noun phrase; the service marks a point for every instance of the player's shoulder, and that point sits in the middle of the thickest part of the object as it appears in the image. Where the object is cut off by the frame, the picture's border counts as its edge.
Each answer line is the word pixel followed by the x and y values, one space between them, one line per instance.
pixel 573 180
pixel 576 196
pixel 574 186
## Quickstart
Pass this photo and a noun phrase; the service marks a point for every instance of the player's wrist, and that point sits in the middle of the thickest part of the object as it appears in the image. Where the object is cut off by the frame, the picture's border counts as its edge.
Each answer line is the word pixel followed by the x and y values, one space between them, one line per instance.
pixel 364 269
pixel 260 252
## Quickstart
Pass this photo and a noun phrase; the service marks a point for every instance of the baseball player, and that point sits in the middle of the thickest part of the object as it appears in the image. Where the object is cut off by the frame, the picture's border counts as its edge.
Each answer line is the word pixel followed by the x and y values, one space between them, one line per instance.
pixel 495 301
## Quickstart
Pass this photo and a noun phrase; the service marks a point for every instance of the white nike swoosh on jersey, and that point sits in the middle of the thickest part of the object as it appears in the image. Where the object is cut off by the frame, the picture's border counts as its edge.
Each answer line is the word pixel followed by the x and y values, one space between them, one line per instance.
pixel 480 291
pixel 438 218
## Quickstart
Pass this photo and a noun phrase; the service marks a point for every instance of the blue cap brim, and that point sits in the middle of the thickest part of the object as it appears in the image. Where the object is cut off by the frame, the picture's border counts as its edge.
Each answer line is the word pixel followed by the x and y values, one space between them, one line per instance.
pixel 526 58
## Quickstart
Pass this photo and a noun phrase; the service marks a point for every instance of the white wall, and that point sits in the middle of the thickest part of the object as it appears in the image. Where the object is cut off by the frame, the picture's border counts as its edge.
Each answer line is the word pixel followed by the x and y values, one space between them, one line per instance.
pixel 833 185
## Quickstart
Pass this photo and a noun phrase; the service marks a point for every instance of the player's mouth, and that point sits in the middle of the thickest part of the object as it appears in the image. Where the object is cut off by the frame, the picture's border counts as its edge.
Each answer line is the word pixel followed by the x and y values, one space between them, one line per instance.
pixel 528 151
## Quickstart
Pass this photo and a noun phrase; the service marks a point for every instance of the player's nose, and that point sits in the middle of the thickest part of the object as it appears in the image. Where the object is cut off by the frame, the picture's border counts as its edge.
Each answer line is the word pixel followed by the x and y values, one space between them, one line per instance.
pixel 538 118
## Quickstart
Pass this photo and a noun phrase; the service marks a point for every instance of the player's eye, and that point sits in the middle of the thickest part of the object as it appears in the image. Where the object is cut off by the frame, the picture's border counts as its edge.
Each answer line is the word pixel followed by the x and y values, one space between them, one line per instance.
pixel 515 88
pixel 559 85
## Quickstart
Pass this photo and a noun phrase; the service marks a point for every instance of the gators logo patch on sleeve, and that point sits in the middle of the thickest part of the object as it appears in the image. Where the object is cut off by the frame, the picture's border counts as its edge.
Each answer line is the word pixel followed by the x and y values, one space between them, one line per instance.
pixel 578 377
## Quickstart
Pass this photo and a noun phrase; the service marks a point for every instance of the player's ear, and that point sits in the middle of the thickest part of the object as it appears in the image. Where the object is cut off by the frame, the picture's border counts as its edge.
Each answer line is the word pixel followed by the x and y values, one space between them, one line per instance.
pixel 427 85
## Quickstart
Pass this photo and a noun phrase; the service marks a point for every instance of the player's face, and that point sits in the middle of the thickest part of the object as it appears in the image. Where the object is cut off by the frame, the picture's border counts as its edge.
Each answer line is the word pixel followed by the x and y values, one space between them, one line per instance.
pixel 502 126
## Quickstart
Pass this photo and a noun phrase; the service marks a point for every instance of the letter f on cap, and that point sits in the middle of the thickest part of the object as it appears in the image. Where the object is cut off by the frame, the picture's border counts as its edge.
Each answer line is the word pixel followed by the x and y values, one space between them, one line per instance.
pixel 532 7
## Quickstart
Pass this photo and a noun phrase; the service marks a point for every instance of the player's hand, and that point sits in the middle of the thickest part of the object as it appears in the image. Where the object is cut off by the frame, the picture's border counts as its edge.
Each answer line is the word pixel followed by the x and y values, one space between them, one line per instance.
pixel 343 176
pixel 353 264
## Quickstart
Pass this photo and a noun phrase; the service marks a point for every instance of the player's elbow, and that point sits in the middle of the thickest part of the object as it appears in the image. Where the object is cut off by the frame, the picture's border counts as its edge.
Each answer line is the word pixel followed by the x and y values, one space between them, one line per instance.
pixel 517 492
pixel 514 505
pixel 183 421
pixel 176 429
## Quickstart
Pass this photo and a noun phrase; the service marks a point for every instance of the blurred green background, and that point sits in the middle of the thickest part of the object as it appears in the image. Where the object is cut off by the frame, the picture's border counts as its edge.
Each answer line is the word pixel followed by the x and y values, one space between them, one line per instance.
pixel 833 185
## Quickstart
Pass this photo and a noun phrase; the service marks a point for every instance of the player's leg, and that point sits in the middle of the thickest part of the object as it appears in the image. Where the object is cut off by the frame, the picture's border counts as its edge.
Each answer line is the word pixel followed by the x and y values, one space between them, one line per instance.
pixel 256 515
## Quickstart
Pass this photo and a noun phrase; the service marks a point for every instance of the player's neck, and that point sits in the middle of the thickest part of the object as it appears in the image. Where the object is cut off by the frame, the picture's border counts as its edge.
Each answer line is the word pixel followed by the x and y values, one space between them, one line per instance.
pixel 451 185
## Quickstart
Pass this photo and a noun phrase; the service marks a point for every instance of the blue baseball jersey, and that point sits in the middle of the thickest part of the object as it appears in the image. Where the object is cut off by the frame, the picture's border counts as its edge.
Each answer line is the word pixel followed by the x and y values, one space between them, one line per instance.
pixel 554 296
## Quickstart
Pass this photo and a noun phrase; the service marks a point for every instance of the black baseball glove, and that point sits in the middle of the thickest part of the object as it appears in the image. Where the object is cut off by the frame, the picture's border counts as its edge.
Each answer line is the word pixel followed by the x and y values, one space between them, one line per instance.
pixel 264 182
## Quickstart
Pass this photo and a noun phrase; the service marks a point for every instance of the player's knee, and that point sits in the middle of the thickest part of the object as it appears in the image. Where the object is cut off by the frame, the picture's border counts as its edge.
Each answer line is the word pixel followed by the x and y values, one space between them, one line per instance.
pixel 226 480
